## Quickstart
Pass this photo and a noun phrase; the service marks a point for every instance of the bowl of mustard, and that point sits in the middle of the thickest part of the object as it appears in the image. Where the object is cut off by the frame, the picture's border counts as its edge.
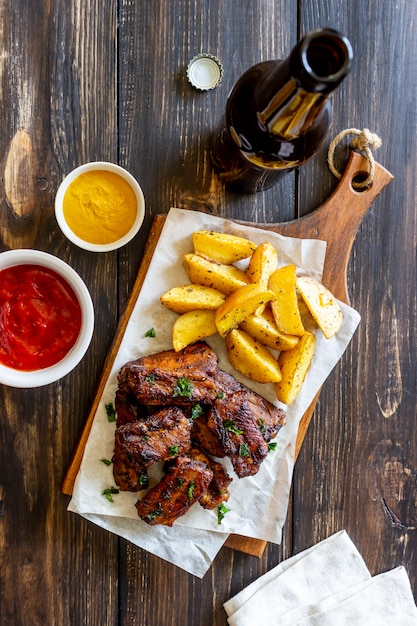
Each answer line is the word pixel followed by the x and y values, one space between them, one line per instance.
pixel 99 206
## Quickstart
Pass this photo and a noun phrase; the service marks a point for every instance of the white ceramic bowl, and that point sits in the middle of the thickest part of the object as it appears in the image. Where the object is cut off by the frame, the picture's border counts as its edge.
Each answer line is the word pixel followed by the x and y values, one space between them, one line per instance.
pixel 110 167
pixel 38 378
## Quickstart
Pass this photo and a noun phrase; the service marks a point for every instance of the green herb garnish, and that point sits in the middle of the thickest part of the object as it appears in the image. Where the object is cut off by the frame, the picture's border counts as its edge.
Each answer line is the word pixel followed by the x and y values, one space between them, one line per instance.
pixel 150 333
pixel 109 492
pixel 221 512
pixel 143 479
pixel 196 411
pixel 150 378
pixel 243 449
pixel 111 412
pixel 183 388
pixel 190 491
pixel 272 446
pixel 173 450
pixel 221 395
pixel 262 426
pixel 106 462
pixel 231 426
pixel 155 513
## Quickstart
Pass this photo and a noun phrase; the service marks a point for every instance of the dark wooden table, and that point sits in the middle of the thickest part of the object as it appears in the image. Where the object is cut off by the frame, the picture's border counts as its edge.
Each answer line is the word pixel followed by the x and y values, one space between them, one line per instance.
pixel 105 80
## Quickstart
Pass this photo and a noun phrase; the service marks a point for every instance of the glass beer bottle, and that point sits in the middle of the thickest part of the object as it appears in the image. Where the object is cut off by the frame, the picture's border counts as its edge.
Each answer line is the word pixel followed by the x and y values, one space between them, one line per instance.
pixel 278 112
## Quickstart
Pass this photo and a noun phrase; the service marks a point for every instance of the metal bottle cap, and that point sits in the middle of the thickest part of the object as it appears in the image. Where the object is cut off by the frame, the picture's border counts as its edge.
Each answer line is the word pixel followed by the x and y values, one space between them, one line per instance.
pixel 204 71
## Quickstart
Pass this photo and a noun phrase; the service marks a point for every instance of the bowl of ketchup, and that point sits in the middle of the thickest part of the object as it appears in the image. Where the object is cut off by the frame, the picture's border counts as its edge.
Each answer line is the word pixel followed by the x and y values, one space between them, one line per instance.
pixel 46 318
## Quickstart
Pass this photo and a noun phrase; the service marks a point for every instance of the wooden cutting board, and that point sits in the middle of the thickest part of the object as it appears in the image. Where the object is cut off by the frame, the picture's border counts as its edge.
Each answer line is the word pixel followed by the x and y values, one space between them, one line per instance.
pixel 335 222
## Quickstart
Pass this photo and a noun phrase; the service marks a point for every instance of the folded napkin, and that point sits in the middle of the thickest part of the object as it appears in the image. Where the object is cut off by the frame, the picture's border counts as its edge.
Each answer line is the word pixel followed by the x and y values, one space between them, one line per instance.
pixel 326 585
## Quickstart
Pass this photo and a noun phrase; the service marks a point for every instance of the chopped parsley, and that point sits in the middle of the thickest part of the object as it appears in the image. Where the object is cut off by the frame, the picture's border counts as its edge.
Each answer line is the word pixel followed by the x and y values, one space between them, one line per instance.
pixel 190 491
pixel 109 492
pixel 221 395
pixel 272 446
pixel 150 378
pixel 150 333
pixel 110 411
pixel 222 509
pixel 173 450
pixel 183 388
pixel 143 479
pixel 262 426
pixel 243 449
pixel 231 426
pixel 158 511
pixel 196 411
pixel 106 462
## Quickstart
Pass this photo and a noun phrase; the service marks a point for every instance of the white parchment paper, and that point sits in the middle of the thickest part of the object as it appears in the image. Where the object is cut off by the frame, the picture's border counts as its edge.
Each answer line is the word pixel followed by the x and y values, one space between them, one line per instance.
pixel 258 504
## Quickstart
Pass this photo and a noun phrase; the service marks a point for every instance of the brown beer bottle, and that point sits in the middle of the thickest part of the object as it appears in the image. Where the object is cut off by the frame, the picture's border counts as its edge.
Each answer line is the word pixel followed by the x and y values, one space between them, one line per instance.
pixel 278 112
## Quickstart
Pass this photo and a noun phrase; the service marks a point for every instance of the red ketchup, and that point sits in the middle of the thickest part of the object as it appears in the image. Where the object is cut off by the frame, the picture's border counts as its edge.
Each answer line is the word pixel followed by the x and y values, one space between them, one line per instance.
pixel 40 317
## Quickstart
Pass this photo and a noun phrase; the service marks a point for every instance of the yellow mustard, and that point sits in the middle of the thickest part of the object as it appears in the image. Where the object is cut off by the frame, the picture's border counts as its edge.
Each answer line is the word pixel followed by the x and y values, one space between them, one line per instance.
pixel 100 206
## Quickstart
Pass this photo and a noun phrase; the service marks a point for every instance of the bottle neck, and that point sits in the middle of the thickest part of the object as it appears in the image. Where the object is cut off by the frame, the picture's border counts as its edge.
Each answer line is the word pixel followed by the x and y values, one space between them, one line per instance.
pixel 316 66
pixel 321 60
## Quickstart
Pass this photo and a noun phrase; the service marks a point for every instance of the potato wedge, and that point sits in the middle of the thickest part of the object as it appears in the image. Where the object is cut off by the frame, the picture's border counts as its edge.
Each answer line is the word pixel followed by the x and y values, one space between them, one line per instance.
pixel 192 297
pixel 263 328
pixel 294 365
pixel 306 317
pixel 262 263
pixel 322 305
pixel 192 326
pixel 285 303
pixel 252 359
pixel 239 305
pixel 222 247
pixel 224 278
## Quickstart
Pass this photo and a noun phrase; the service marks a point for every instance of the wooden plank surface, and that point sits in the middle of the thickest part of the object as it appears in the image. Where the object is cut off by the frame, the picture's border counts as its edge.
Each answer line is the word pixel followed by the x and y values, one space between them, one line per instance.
pixel 106 80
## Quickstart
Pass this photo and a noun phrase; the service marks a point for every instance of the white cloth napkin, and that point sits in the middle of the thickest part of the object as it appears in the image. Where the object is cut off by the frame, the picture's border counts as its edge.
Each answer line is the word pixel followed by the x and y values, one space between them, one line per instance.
pixel 326 585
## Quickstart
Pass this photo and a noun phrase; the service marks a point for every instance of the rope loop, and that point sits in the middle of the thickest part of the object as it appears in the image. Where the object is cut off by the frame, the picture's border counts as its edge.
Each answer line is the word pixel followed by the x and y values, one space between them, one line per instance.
pixel 363 141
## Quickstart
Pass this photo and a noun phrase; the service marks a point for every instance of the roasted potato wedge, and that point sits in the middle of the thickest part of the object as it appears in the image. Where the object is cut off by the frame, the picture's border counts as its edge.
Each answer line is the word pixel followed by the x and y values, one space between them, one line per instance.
pixel 263 328
pixel 294 365
pixel 192 326
pixel 224 278
pixel 222 247
pixel 285 303
pixel 262 263
pixel 252 359
pixel 322 305
pixel 306 317
pixel 191 297
pixel 239 305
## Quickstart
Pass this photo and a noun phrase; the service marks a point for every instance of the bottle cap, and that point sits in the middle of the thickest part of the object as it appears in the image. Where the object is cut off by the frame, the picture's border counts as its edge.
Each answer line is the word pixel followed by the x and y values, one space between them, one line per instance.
pixel 205 71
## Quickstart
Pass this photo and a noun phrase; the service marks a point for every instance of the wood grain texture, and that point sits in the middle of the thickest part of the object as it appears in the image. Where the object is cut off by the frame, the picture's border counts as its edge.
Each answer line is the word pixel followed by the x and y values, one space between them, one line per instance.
pixel 58 110
pixel 106 80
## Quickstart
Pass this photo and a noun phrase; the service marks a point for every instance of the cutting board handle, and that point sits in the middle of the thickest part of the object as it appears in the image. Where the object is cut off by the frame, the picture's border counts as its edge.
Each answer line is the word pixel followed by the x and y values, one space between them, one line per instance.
pixel 338 219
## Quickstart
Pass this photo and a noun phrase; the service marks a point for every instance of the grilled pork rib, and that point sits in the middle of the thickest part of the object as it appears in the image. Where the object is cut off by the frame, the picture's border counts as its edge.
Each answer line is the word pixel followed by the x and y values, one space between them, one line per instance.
pixel 184 483
pixel 218 488
pixel 161 436
pixel 232 420
pixel 171 378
